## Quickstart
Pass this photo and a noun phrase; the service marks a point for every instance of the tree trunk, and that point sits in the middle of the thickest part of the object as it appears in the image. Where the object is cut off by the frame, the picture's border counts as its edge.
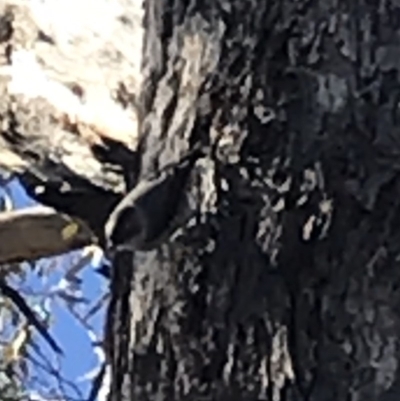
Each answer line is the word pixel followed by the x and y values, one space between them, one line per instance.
pixel 283 282
pixel 280 283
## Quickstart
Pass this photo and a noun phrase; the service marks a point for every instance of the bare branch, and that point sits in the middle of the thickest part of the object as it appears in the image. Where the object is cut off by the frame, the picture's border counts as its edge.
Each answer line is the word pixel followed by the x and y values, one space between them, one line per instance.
pixel 38 232
pixel 67 92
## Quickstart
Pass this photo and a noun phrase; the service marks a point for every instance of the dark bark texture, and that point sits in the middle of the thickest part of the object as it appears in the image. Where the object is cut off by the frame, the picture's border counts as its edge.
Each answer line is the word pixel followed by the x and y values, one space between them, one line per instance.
pixel 283 283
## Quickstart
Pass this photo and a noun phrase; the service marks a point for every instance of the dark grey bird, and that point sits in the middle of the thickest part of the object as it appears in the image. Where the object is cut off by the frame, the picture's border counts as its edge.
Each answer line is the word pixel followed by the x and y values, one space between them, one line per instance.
pixel 142 219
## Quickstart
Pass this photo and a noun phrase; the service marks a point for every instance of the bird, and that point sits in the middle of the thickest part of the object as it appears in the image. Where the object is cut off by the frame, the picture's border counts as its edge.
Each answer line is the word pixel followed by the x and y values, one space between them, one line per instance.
pixel 141 220
pixel 71 194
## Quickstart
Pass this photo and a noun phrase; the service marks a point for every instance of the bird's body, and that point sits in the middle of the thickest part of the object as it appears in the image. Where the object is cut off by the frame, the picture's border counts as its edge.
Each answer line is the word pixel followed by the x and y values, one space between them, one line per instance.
pixel 143 216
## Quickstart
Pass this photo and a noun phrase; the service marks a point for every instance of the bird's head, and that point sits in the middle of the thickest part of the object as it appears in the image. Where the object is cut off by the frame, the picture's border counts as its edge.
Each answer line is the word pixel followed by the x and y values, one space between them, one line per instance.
pixel 124 228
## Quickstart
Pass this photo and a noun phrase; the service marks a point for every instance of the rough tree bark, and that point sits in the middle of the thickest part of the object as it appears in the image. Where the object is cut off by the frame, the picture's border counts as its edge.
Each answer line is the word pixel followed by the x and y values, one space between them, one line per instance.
pixel 283 284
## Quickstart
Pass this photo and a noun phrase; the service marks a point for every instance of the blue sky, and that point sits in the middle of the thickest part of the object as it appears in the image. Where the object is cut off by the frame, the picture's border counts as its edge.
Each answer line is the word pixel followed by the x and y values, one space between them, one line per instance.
pixel 69 333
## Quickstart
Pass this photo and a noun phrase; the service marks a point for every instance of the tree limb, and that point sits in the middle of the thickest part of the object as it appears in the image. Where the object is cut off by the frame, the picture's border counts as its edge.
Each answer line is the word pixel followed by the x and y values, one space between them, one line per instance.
pixel 38 232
